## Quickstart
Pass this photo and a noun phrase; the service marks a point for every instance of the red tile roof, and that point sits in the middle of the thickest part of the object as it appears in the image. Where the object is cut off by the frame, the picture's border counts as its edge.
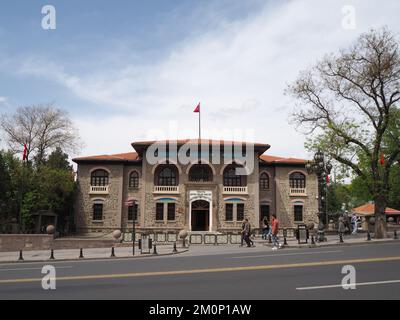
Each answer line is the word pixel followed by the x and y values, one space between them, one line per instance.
pixel 202 141
pixel 130 156
pixel 133 156
pixel 279 160
pixel 368 209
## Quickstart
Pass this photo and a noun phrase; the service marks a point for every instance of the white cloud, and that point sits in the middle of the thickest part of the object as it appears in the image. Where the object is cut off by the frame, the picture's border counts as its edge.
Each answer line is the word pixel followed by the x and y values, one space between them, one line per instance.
pixel 238 72
pixel 3 99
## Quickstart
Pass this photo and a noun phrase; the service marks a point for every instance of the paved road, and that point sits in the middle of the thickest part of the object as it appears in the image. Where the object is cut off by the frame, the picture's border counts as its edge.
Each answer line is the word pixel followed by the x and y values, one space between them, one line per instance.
pixel 206 273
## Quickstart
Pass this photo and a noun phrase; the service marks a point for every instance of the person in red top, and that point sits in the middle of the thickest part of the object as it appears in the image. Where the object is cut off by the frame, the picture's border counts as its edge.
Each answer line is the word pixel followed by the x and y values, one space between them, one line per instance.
pixel 275 231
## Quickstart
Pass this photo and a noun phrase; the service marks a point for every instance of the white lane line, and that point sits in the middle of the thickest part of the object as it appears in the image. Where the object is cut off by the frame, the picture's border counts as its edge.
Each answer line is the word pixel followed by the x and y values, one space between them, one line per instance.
pixel 24 269
pixel 357 285
pixel 286 254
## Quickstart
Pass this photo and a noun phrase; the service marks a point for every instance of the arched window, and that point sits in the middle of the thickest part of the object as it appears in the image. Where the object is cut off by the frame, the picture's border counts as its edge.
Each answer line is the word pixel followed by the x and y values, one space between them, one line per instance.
pixel 166 175
pixel 200 173
pixel 233 180
pixel 264 181
pixel 297 180
pixel 99 178
pixel 134 180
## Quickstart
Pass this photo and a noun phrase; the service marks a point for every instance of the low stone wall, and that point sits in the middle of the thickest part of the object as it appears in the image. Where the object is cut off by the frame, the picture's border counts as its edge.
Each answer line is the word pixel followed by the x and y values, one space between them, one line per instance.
pixel 31 242
pixel 83 243
pixel 16 242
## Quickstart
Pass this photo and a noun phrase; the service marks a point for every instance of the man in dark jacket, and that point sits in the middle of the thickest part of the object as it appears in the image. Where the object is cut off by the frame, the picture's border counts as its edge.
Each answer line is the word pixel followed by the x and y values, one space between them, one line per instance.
pixel 247 233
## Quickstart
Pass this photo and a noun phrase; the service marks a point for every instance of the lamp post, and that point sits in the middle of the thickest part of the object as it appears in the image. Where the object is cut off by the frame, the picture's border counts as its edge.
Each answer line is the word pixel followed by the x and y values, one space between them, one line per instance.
pixel 322 169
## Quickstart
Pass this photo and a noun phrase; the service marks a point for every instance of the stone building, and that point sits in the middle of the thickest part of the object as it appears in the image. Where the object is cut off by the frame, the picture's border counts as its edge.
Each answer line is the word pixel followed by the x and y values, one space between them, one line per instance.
pixel 193 185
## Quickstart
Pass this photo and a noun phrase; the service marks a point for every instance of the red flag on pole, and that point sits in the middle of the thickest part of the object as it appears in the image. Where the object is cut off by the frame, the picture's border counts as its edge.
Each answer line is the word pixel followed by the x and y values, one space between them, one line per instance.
pixel 382 161
pixel 197 110
pixel 328 179
pixel 25 155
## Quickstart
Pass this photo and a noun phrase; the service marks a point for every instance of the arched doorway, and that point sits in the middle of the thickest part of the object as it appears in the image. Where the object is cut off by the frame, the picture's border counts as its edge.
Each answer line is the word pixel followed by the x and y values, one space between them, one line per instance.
pixel 200 215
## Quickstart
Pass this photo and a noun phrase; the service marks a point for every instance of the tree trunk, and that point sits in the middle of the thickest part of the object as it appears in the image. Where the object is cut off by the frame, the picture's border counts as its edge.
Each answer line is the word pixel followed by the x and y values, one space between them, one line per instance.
pixel 380 219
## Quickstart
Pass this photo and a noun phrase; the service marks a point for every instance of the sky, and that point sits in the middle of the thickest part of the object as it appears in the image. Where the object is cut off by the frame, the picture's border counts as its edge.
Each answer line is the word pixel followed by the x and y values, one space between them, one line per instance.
pixel 129 70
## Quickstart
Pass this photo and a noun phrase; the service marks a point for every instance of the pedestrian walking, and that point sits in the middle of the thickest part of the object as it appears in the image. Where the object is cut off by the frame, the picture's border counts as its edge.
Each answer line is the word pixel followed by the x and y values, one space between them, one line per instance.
pixel 242 231
pixel 354 223
pixel 346 221
pixel 341 228
pixel 247 233
pixel 265 228
pixel 275 231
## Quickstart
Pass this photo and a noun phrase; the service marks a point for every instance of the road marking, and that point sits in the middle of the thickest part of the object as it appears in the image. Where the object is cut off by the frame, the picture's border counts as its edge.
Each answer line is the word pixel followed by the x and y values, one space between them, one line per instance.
pixel 212 270
pixel 357 285
pixel 285 254
pixel 24 269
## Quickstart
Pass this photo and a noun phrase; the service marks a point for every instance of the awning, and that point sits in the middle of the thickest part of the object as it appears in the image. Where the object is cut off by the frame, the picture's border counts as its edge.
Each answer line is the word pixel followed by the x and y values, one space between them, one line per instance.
pixel 368 209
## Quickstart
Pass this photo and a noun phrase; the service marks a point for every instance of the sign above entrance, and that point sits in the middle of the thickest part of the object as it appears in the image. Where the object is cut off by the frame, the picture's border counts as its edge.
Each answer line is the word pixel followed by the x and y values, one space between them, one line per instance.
pixel 200 195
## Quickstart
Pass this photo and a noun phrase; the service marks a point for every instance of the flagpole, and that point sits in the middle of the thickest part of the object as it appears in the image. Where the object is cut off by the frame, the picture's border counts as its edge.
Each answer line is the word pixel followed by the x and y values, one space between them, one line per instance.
pixel 200 126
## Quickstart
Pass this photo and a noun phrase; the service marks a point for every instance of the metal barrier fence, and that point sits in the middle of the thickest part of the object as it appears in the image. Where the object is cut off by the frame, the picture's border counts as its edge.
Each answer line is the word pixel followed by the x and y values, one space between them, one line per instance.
pixel 157 237
pixel 198 238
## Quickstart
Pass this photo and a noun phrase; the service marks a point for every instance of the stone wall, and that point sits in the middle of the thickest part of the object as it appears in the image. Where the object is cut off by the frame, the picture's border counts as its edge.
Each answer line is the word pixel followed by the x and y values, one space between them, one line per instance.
pixel 16 242
pixel 113 202
pixel 285 202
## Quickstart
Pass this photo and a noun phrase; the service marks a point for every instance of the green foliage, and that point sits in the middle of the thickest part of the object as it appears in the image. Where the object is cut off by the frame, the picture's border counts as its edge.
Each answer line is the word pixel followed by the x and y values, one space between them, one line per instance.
pixel 26 189
pixel 58 160
pixel 338 194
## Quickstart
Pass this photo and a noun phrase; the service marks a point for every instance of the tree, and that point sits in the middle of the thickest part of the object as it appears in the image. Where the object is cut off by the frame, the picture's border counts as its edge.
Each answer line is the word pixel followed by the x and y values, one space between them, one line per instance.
pixel 58 160
pixel 347 103
pixel 4 188
pixel 11 173
pixel 41 128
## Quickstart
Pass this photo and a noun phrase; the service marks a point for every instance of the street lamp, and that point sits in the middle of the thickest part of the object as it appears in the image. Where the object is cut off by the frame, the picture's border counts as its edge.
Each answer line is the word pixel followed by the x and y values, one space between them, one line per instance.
pixel 322 169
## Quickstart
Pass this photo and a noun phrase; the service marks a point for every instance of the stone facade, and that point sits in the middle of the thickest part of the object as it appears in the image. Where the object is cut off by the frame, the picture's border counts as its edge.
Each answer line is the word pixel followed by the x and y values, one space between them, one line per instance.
pixel 113 197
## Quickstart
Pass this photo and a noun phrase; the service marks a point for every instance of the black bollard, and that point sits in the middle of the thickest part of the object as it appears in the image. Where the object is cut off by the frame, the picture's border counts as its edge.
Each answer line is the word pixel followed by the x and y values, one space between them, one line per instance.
pixel 285 241
pixel 174 250
pixel 21 258
pixel 52 254
pixel 269 239
pixel 112 252
pixel 368 236
pixel 155 250
pixel 341 237
pixel 183 243
pixel 81 254
pixel 395 237
pixel 312 240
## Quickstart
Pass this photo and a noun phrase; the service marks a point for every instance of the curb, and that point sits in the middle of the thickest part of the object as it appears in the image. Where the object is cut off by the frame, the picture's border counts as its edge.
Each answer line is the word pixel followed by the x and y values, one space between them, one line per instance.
pixel 150 255
pixel 344 244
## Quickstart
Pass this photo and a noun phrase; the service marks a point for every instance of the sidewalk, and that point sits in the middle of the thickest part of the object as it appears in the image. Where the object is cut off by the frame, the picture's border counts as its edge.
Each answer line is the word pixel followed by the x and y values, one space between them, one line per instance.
pixel 125 251
pixel 332 240
pixel 73 254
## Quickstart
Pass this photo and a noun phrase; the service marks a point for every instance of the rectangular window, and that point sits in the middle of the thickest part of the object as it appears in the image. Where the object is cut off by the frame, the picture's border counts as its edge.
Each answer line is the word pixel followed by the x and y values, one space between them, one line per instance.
pixel 133 212
pixel 171 211
pixel 160 211
pixel 240 212
pixel 298 213
pixel 98 212
pixel 229 212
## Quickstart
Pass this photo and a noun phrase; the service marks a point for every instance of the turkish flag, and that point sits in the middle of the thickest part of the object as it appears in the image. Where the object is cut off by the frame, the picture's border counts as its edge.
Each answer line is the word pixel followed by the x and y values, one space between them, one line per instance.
pixel 382 161
pixel 25 155
pixel 197 110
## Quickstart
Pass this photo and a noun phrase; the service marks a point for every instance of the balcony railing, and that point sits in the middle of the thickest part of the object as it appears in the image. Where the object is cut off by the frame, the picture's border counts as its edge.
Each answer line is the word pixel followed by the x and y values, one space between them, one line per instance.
pixel 235 190
pixel 98 190
pixel 166 189
pixel 299 192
